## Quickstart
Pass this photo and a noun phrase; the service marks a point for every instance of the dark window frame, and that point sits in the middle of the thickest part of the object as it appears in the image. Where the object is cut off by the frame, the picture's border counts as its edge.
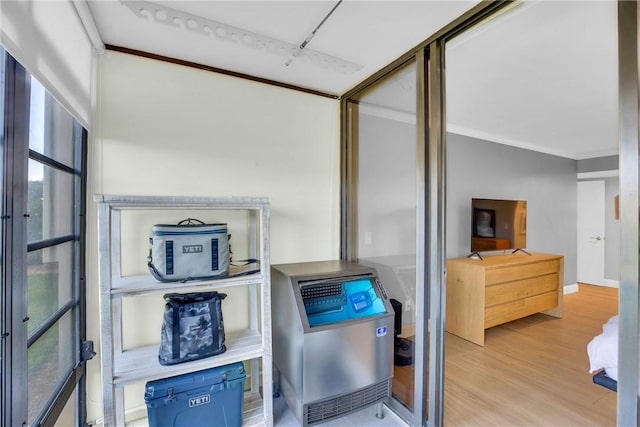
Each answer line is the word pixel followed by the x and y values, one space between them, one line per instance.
pixel 14 148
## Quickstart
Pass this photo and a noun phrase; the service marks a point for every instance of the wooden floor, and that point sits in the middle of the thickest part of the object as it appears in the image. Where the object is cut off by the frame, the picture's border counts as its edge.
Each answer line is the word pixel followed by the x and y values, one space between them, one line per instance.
pixel 533 371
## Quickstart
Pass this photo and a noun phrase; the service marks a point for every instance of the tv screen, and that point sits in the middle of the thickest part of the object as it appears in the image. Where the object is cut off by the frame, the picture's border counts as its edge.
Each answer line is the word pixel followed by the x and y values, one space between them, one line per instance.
pixel 498 225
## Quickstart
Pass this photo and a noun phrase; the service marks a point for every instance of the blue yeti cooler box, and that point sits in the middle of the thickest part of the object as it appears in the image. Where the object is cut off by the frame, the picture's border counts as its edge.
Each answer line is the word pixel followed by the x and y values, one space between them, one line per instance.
pixel 211 397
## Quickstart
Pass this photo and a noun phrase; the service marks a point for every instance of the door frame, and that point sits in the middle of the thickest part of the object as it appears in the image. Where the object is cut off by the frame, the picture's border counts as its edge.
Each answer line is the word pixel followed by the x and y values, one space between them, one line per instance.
pixel 431 209
pixel 629 166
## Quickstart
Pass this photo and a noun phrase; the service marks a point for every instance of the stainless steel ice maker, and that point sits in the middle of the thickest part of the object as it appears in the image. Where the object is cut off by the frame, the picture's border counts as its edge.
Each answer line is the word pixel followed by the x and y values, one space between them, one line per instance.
pixel 332 338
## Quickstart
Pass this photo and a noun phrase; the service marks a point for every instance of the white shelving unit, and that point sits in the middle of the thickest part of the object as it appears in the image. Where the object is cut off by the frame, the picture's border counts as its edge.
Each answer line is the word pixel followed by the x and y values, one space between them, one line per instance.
pixel 121 367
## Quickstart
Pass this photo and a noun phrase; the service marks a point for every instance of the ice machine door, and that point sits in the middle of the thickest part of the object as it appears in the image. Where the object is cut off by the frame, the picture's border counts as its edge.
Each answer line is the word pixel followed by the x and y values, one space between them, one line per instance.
pixel 347 357
pixel 336 301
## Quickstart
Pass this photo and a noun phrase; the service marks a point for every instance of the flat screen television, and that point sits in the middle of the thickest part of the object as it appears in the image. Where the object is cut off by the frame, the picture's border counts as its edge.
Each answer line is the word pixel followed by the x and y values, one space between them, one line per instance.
pixel 498 225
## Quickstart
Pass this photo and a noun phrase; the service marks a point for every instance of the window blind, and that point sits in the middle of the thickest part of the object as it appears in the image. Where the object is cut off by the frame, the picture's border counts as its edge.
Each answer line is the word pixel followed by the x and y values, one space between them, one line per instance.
pixel 49 40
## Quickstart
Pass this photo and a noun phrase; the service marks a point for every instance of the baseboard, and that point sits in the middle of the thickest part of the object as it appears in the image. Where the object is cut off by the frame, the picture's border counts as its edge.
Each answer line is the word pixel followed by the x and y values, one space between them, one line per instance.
pixel 570 289
pixel 608 283
pixel 611 283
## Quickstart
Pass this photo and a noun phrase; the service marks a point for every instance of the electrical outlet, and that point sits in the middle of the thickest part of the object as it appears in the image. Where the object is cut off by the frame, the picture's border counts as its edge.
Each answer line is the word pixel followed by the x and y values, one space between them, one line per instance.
pixel 407 305
pixel 367 237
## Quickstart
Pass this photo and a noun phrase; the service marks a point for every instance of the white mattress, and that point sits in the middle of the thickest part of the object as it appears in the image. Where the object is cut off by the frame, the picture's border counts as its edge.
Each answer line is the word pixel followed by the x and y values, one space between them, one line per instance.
pixel 603 349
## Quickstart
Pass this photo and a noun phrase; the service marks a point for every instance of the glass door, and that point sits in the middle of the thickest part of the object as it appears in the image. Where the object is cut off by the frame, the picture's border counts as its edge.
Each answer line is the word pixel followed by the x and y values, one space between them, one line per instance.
pixel 384 209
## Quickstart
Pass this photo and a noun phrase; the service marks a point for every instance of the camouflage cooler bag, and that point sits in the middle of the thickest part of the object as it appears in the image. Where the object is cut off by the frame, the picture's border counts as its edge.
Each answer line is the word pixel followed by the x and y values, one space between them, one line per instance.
pixel 192 327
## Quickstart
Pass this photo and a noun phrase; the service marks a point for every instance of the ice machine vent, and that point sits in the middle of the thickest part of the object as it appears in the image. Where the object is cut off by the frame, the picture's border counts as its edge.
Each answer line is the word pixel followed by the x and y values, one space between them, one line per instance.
pixel 320 291
pixel 350 402
pixel 324 298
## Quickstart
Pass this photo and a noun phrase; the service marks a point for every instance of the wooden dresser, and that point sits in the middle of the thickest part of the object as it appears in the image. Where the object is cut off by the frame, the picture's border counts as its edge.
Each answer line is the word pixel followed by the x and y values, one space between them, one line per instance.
pixel 499 289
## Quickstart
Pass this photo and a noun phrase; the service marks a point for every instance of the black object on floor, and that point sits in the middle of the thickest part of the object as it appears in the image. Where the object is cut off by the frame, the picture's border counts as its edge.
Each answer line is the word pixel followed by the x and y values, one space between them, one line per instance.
pixel 402 347
pixel 601 378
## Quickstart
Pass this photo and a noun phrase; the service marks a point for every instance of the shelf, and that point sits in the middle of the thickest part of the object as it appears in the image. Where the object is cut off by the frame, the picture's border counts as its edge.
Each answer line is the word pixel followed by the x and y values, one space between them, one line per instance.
pixel 179 203
pixel 145 284
pixel 142 363
pixel 252 410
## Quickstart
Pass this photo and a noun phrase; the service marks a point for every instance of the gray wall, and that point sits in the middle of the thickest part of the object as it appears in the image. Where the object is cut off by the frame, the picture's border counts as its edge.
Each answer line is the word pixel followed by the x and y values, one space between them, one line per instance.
pixel 386 187
pixel 482 169
pixel 597 164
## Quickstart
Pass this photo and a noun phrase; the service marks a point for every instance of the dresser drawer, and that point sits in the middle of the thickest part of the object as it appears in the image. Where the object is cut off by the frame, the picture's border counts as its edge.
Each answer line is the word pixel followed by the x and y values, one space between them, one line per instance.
pixel 519 289
pixel 517 272
pixel 502 313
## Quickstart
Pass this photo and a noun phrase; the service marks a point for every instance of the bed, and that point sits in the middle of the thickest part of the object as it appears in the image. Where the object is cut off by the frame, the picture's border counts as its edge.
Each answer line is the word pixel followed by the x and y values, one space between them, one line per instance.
pixel 603 355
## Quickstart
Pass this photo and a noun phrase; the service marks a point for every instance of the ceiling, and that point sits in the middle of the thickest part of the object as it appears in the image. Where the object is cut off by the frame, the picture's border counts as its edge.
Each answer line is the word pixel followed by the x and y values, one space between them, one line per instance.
pixel 541 76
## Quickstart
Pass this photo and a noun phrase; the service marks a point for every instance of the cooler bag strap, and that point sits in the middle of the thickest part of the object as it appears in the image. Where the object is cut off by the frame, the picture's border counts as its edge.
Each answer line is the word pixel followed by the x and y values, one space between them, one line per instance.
pixel 190 297
pixel 175 331
pixel 243 263
pixel 156 274
pixel 154 271
pixel 215 317
pixel 190 221
pixel 215 304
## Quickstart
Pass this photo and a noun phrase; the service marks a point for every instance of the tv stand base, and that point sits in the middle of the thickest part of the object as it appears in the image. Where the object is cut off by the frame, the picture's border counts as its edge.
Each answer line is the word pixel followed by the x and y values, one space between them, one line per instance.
pixel 521 250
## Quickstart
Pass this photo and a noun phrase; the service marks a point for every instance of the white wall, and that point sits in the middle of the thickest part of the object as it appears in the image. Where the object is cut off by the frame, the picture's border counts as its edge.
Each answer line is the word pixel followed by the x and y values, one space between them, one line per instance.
pixel 164 129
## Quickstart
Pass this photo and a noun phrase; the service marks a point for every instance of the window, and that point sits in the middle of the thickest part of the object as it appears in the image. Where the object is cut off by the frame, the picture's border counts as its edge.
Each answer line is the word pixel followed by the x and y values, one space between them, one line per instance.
pixel 43 178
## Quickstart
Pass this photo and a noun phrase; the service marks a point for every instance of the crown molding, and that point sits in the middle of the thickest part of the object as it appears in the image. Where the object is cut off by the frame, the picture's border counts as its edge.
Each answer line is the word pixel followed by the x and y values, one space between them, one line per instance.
pixel 386 113
pixel 198 66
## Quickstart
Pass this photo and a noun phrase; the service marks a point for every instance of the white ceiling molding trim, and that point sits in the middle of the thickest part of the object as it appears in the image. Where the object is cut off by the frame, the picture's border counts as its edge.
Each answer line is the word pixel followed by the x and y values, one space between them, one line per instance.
pixel 387 113
pixel 409 118
pixel 598 174
pixel 460 130
pixel 601 153
pixel 245 38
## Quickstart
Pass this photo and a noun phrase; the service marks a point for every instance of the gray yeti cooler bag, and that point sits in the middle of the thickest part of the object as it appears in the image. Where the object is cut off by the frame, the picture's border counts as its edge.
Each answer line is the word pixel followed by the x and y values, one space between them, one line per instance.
pixel 190 250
